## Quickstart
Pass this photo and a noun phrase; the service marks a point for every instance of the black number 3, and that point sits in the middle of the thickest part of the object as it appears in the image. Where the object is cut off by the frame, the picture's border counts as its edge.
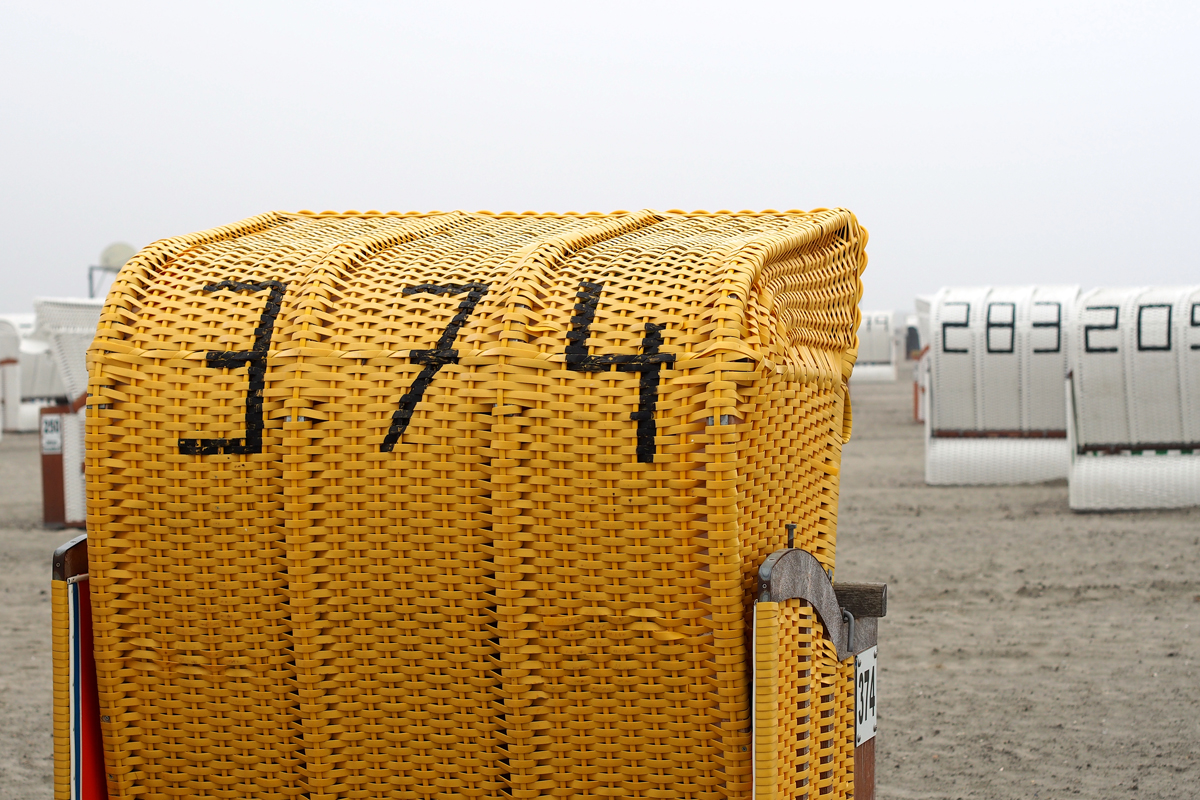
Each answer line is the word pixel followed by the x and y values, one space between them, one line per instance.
pixel 255 361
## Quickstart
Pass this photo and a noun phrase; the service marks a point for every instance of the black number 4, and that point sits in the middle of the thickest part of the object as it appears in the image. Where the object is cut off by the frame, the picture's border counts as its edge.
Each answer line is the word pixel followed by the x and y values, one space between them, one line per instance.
pixel 649 363
pixel 255 361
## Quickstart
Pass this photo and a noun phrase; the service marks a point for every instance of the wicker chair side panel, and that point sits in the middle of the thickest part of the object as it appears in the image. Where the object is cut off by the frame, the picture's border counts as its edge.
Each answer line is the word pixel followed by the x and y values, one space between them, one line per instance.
pixel 191 616
pixel 790 447
pixel 60 652
pixel 815 728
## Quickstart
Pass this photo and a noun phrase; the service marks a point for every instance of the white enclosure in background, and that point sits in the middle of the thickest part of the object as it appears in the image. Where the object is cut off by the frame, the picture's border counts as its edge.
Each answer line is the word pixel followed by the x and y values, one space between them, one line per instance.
pixel 994 406
pixel 1134 399
pixel 74 480
pixel 924 307
pixel 31 382
pixel 878 348
pixel 923 304
pixel 67 326
pixel 10 375
pixel 39 376
pixel 911 337
pixel 921 389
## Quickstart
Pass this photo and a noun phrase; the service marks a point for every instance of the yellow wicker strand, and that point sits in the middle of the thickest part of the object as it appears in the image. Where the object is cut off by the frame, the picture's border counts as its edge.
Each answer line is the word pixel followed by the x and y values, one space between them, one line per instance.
pixel 814 735
pixel 61 655
pixel 766 699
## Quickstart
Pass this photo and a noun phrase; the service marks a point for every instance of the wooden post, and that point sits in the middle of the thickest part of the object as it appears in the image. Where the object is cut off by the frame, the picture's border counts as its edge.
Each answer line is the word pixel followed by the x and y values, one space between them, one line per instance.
pixel 864 771
pixel 54 511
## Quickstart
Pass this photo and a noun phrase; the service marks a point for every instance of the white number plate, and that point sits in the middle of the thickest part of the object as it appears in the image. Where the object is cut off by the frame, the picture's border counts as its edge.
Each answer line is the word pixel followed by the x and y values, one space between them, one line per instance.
pixel 51 434
pixel 865 721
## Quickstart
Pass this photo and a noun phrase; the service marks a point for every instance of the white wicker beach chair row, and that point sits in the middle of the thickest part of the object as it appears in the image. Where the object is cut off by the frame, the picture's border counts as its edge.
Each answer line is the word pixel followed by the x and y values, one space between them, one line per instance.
pixel 1035 383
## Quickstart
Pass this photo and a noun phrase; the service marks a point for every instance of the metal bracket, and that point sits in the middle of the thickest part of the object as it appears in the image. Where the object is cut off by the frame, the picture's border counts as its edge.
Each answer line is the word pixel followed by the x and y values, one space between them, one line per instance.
pixel 797 574
pixel 70 559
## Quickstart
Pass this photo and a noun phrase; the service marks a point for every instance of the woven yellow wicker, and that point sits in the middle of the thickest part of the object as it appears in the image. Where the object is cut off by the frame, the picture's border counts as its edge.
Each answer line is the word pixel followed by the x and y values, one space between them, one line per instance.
pixel 804 717
pixel 60 628
pixel 467 505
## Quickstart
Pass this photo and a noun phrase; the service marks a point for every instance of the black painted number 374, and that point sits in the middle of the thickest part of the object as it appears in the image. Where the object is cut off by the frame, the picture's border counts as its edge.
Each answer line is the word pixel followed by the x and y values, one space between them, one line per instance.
pixel 649 362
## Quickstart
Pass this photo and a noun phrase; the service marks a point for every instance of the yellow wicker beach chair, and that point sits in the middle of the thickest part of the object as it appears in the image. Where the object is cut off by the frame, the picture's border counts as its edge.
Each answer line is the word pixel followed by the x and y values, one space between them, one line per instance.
pixel 457 505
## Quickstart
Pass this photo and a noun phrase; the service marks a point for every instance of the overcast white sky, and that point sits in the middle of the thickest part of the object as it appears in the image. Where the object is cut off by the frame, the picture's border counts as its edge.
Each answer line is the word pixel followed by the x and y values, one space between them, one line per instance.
pixel 978 143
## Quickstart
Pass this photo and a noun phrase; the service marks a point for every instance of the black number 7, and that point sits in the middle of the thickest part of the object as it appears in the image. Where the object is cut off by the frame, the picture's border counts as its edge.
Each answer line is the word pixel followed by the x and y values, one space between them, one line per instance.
pixel 649 363
pixel 255 361
pixel 433 360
